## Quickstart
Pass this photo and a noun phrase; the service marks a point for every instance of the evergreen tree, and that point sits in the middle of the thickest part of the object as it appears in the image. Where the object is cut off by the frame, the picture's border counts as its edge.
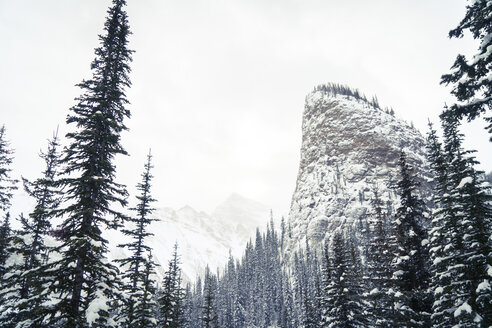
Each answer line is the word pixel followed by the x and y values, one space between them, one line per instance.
pixel 172 298
pixel 144 309
pixel 411 263
pixel 342 292
pixel 209 316
pixel 7 184
pixel 27 284
pixel 461 249
pixel 471 81
pixel 188 307
pixel 135 277
pixel 197 303
pixel 5 231
pixel 378 267
pixel 86 283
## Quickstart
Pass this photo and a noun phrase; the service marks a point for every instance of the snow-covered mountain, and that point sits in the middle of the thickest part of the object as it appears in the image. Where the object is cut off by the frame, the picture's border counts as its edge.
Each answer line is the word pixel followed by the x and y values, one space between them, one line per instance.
pixel 349 147
pixel 203 239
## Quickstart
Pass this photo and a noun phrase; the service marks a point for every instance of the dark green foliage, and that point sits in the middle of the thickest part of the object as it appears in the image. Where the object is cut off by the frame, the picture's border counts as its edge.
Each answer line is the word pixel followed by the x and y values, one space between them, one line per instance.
pixel 461 248
pixel 85 282
pixel 5 232
pixel 470 78
pixel 171 298
pixel 144 310
pixel 27 284
pixel 137 278
pixel 411 261
pixel 7 184
pixel 343 305
pixel 209 317
pixel 307 288
pixel 378 266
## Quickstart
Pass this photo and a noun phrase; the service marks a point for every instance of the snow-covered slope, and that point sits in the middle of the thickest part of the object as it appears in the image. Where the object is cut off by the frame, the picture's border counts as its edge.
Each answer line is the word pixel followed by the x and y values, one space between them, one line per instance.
pixel 349 146
pixel 202 238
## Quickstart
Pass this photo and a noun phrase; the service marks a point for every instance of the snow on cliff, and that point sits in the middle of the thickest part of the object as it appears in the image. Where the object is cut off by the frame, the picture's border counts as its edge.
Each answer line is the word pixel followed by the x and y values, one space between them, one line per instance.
pixel 349 146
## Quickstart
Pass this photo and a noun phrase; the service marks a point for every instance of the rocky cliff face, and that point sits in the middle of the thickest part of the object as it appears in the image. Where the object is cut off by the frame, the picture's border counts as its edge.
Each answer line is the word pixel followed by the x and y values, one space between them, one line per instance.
pixel 349 147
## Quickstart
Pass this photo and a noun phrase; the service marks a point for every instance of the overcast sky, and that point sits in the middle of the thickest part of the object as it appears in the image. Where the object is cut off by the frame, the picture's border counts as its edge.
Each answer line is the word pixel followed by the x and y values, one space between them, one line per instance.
pixel 219 86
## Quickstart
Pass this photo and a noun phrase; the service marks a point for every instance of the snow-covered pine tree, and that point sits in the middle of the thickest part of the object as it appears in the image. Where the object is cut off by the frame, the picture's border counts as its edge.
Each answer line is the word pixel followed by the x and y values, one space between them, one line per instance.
pixel 460 234
pixel 144 309
pixel 287 311
pixel 171 297
pixel 86 283
pixel 197 300
pixel 134 265
pixel 7 183
pixel 475 201
pixel 471 78
pixel 29 275
pixel 5 232
pixel 226 294
pixel 209 317
pixel 239 294
pixel 378 266
pixel 326 280
pixel 188 307
pixel 412 302
pixel 7 186
pixel 342 290
pixel 445 238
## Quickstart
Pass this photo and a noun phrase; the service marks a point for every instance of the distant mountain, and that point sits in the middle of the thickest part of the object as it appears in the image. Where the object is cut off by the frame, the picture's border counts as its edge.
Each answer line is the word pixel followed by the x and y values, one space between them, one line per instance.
pixel 202 238
pixel 349 147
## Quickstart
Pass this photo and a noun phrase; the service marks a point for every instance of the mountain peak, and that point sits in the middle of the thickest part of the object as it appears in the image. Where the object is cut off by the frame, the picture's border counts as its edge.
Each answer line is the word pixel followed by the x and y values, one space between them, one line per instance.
pixel 349 146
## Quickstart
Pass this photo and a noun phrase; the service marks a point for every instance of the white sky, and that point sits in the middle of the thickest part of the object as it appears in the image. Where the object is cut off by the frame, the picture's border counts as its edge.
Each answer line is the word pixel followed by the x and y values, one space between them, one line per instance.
pixel 219 86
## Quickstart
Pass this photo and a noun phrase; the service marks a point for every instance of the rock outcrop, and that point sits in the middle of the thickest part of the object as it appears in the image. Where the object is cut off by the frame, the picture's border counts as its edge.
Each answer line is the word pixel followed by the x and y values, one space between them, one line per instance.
pixel 350 146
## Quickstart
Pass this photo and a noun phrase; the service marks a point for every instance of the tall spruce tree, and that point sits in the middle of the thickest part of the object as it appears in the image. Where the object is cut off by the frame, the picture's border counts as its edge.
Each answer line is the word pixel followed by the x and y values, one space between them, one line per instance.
pixel 144 310
pixel 171 300
pixel 209 317
pixel 29 276
pixel 86 282
pixel 136 275
pixel 5 232
pixel 342 298
pixel 446 242
pixel 471 78
pixel 7 186
pixel 7 183
pixel 461 248
pixel 412 306
pixel 378 266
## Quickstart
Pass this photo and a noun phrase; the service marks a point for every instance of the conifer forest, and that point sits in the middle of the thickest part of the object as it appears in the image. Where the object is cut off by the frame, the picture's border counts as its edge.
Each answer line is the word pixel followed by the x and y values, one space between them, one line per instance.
pixel 412 250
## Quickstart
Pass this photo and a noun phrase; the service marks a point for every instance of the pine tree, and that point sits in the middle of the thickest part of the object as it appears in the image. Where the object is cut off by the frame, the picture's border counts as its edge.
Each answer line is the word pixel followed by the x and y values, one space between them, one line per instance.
pixel 411 263
pixel 209 316
pixel 144 309
pixel 27 284
pixel 7 184
pixel 445 241
pixel 378 267
pixel 135 277
pixel 86 282
pixel 188 307
pixel 471 81
pixel 5 232
pixel 461 249
pixel 342 292
pixel 171 300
